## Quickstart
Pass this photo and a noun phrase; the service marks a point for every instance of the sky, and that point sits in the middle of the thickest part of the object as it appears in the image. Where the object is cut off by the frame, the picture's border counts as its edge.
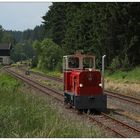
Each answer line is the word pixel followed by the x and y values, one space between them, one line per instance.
pixel 21 16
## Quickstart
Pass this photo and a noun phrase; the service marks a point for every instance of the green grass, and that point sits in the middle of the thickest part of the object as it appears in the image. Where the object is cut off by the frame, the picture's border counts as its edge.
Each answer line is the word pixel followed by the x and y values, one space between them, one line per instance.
pixel 23 114
pixel 124 76
pixel 50 73
pixel 0 66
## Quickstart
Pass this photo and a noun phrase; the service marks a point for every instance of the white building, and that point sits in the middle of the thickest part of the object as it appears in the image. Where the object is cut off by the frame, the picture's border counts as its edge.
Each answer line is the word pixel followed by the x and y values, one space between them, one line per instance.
pixel 5 49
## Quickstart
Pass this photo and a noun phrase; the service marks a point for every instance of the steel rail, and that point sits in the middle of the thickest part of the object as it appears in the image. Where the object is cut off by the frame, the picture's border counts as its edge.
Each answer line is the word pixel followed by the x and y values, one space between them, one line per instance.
pixel 120 128
pixel 128 127
pixel 121 95
pixel 108 127
pixel 39 87
pixel 109 93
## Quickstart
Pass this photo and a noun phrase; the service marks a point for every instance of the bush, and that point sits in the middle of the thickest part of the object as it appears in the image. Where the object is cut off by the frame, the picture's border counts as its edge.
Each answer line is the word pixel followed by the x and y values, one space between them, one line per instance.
pixel 121 63
pixel 115 63
pixel 49 55
pixel 125 64
pixel 59 67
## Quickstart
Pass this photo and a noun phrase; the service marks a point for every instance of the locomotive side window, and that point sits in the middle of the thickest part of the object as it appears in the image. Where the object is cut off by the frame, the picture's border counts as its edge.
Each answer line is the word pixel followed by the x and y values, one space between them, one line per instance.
pixel 88 62
pixel 1 60
pixel 73 62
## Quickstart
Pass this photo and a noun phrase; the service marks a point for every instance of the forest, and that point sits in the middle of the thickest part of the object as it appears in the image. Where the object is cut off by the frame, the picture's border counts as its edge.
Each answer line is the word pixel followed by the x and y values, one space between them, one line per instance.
pixel 96 28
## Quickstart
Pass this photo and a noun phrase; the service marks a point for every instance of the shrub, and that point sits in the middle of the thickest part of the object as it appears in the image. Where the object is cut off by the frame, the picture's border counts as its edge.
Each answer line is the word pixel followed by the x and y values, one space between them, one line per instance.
pixel 115 63
pixel 125 63
pixel 49 55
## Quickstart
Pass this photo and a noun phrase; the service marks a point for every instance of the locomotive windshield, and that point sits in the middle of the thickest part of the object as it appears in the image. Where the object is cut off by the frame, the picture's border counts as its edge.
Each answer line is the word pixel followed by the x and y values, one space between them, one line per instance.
pixel 78 61
pixel 73 62
pixel 88 62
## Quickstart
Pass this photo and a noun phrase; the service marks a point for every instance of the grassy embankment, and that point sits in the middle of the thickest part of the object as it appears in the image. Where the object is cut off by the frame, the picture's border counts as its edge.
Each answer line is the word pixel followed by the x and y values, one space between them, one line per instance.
pixel 23 114
pixel 125 82
pixel 132 76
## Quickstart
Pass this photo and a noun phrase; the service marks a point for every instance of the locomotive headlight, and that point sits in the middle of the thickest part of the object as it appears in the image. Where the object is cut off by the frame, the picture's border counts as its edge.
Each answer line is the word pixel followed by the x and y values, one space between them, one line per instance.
pixel 81 85
pixel 100 84
pixel 90 69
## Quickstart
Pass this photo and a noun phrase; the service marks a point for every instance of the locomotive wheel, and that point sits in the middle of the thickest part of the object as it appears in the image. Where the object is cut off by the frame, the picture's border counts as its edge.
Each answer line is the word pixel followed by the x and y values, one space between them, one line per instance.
pixel 80 111
pixel 65 102
pixel 85 110
pixel 67 105
pixel 94 111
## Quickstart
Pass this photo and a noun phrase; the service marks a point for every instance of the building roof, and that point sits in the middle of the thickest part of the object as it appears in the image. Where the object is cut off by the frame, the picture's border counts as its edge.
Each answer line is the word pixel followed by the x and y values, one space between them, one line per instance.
pixel 5 46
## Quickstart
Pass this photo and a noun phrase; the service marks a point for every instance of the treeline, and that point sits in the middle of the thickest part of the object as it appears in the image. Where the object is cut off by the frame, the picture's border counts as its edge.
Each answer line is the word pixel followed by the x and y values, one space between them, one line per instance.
pixel 97 28
pixel 100 28
pixel 6 37
pixel 36 34
pixel 22 48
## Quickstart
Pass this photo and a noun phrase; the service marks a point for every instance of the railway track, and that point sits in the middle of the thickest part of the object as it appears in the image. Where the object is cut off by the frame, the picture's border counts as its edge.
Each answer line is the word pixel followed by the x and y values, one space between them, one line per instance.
pixel 109 93
pixel 116 126
pixel 120 128
pixel 123 97
pixel 37 85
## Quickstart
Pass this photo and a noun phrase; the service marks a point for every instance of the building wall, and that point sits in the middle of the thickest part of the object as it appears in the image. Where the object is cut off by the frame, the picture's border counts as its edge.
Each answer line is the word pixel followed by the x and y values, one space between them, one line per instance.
pixel 5 60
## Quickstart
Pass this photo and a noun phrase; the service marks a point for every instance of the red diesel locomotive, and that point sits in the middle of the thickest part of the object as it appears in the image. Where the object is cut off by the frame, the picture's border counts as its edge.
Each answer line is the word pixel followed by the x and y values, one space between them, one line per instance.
pixel 83 83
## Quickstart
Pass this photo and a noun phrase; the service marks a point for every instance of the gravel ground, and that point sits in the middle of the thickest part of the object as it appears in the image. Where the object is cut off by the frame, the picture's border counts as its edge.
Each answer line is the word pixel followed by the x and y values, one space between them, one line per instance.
pixel 134 109
pixel 125 113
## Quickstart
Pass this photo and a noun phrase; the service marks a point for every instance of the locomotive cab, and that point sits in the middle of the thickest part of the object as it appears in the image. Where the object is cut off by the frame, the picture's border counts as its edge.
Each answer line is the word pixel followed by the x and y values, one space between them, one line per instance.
pixel 78 61
pixel 82 82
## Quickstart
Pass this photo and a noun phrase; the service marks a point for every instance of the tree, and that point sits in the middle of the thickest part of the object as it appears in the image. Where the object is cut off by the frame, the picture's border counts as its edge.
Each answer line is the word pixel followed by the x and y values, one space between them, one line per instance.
pixel 54 22
pixel 1 33
pixel 22 51
pixel 100 28
pixel 49 54
pixel 8 38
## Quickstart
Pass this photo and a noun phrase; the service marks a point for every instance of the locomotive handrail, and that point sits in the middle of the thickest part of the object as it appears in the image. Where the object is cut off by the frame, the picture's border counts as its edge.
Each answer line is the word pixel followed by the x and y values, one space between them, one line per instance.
pixel 103 67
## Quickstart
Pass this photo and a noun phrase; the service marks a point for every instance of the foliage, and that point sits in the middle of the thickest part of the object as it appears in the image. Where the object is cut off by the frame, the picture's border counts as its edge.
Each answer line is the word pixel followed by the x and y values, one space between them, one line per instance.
pixel 22 43
pixel 126 64
pixel 49 73
pixel 97 28
pixel 1 33
pixel 115 63
pixel 6 37
pixel 49 54
pixel 22 51
pixel 54 21
pixel 100 28
pixel 36 34
pixel 130 76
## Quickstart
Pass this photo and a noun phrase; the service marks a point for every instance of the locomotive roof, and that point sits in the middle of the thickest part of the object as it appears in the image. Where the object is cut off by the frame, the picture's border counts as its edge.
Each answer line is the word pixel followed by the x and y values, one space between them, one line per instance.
pixel 5 46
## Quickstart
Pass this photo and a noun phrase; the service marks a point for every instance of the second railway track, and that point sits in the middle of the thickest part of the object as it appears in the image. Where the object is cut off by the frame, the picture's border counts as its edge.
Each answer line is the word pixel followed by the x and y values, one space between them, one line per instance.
pixel 116 126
